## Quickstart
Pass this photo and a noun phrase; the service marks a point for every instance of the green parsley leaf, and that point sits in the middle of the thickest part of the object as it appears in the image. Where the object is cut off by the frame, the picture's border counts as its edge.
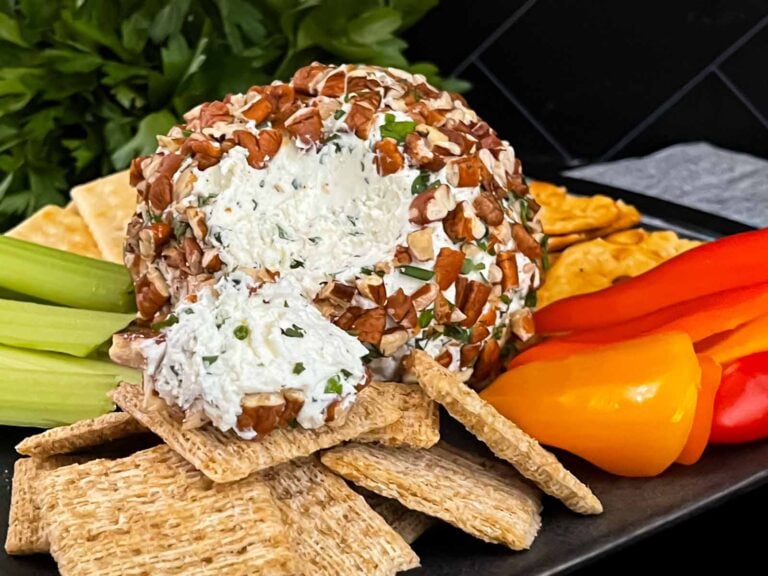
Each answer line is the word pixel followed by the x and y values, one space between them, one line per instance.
pixel 530 299
pixel 416 272
pixel 242 332
pixel 505 299
pixel 296 264
pixel 338 114
pixel 282 233
pixel 298 368
pixel 545 252
pixel 425 317
pixel 346 373
pixel 293 331
pixel 333 386
pixel 457 333
pixel 420 183
pixel 469 266
pixel 208 360
pixel 169 320
pixel 396 129
pixel 498 331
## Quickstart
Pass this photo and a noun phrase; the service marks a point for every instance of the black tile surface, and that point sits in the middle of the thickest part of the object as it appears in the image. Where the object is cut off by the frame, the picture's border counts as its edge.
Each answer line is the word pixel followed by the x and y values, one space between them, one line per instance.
pixel 710 111
pixel 747 70
pixel 454 28
pixel 509 122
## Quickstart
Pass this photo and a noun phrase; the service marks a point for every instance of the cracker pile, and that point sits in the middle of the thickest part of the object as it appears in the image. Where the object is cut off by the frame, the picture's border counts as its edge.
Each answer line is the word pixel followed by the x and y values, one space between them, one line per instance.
pixel 345 499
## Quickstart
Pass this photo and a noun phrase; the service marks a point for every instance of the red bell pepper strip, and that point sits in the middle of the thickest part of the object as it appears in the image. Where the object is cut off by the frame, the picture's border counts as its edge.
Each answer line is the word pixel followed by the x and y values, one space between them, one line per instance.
pixel 711 373
pixel 747 339
pixel 731 262
pixel 741 403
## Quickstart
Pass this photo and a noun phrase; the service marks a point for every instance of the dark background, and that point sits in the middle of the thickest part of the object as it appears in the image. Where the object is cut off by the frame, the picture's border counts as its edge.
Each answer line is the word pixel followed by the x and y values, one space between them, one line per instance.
pixel 574 81
pixel 570 82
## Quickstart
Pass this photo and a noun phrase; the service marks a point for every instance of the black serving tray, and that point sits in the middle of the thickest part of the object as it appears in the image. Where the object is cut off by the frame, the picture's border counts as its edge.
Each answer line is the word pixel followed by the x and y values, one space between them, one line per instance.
pixel 634 508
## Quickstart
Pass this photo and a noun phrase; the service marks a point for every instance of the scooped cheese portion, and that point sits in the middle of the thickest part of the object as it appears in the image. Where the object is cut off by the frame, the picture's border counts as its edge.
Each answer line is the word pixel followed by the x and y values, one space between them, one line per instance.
pixel 231 343
pixel 309 214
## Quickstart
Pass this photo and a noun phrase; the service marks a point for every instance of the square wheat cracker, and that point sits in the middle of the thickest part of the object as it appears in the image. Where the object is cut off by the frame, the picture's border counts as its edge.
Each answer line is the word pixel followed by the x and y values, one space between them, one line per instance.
pixel 419 424
pixel 59 228
pixel 80 435
pixel 410 524
pixel 153 513
pixel 333 529
pixel 502 436
pixel 224 457
pixel 27 532
pixel 107 205
pixel 491 507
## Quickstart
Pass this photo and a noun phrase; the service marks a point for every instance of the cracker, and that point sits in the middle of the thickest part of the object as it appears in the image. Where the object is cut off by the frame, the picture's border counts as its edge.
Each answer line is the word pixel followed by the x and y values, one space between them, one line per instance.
pixel 597 264
pixel 502 436
pixel 562 213
pixel 107 205
pixel 419 423
pixel 153 513
pixel 224 457
pixel 59 228
pixel 80 435
pixel 410 524
pixel 27 532
pixel 441 484
pixel 333 529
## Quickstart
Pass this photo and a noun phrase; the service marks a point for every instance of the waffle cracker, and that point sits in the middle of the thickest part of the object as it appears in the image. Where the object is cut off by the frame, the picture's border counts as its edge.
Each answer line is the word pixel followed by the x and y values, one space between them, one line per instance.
pixel 628 217
pixel 27 533
pixel 419 423
pixel 224 457
pixel 153 513
pixel 410 524
pixel 59 228
pixel 333 529
pixel 562 213
pixel 503 437
pixel 81 435
pixel 439 483
pixel 107 205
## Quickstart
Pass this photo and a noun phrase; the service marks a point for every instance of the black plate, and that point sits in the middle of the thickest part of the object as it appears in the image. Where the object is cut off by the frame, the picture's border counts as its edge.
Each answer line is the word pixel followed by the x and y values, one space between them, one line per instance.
pixel 634 507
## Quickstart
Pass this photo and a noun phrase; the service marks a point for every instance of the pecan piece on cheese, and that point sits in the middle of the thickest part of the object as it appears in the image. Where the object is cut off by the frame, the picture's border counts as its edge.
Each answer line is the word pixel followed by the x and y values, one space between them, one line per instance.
pixel 389 159
pixel 473 301
pixel 306 126
pixel 258 111
pixel 420 244
pixel 488 208
pixel 525 242
pixel 151 294
pixel 431 205
pixel 448 266
pixel 371 286
pixel 507 261
pixel 370 325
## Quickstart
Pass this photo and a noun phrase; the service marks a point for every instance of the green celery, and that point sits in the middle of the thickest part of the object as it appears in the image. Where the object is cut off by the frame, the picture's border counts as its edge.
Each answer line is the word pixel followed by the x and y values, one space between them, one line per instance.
pixel 21 358
pixel 47 398
pixel 64 278
pixel 67 330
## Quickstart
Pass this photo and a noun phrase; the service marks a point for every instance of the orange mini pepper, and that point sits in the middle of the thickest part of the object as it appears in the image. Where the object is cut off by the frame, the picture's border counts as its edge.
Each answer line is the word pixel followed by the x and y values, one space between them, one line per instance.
pixel 747 339
pixel 711 373
pixel 626 407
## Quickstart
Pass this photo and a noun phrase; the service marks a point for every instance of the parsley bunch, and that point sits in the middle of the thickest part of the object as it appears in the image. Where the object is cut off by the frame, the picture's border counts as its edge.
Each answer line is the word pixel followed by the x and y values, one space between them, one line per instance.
pixel 85 85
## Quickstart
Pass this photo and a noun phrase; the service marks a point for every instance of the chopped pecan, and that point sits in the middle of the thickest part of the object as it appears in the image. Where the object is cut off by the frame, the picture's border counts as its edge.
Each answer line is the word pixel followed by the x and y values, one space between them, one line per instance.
pixel 402 256
pixel 461 227
pixel 460 291
pixel 258 111
pixel 465 172
pixel 522 324
pixel 360 117
pixel 420 244
pixel 334 85
pixel 488 363
pixel 488 208
pixel 371 286
pixel 476 295
pixel 270 142
pixel 248 141
pixel 389 159
pixel 469 353
pixel 424 296
pixel 431 205
pixel 525 242
pixel 304 79
pixel 193 255
pixel 283 100
pixel 151 294
pixel 448 266
pixel 338 292
pixel 370 325
pixel 443 309
pixel 161 234
pixel 211 260
pixel 160 193
pixel 136 174
pixel 478 333
pixel 306 126
pixel 507 261
pixel 398 305
pixel 392 340
pixel 348 317
pixel 445 359
pixel 213 112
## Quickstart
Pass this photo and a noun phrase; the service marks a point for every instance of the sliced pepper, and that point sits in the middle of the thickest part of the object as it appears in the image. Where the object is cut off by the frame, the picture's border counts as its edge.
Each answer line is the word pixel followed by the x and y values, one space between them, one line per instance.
pixel 749 338
pixel 711 373
pixel 732 262
pixel 626 407
pixel 741 403
pixel 548 350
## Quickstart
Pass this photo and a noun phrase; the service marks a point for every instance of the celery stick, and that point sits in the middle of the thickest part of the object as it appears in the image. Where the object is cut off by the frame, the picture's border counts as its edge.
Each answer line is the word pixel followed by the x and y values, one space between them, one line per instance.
pixel 68 330
pixel 64 278
pixel 35 360
pixel 49 398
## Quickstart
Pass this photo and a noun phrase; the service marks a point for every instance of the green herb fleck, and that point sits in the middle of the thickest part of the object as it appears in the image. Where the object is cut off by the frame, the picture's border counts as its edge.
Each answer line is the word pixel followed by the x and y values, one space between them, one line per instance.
pixel 498 331
pixel 470 266
pixel 314 239
pixel 524 213
pixel 346 373
pixel 188 311
pixel 293 331
pixel 293 423
pixel 420 183
pixel 416 272
pixel 397 130
pixel 282 233
pixel 457 333
pixel 338 114
pixel 179 229
pixel 426 317
pixel 296 264
pixel 333 386
pixel 242 332
pixel 505 299
pixel 530 299
pixel 169 320
pixel 545 253
pixel 285 304
pixel 298 368
pixel 295 184
pixel 208 360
